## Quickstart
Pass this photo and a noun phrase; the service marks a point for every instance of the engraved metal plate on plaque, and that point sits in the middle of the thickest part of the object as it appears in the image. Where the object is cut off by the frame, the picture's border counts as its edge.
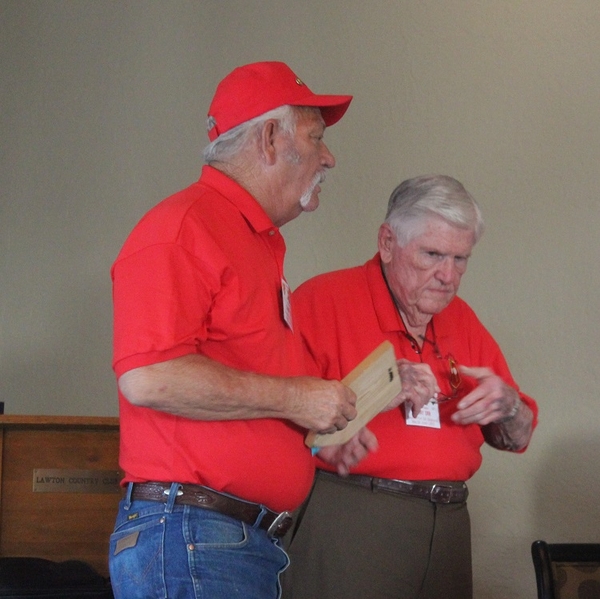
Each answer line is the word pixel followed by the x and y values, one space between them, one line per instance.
pixel 60 480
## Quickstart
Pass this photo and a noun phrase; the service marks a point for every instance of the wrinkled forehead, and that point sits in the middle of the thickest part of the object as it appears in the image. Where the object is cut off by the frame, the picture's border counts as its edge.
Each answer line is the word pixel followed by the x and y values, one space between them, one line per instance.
pixel 437 234
pixel 310 116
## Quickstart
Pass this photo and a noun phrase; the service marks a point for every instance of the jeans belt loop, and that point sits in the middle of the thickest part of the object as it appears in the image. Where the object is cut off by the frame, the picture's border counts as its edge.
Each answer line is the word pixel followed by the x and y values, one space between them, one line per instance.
pixel 127 498
pixel 172 494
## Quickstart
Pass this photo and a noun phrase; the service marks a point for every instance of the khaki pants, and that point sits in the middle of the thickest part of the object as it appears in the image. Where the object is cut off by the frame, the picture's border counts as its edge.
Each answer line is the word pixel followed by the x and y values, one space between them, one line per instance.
pixel 351 543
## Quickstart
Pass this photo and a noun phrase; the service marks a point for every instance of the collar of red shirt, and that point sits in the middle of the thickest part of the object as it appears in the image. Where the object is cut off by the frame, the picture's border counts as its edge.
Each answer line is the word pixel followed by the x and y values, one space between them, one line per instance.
pixel 233 192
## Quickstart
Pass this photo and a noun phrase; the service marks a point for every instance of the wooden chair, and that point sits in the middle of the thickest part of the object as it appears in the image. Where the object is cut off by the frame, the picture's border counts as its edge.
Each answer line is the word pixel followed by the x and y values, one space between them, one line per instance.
pixel 566 570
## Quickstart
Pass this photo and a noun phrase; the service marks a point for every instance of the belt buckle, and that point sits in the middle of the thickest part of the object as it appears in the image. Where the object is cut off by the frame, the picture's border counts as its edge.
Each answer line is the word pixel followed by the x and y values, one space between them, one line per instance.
pixel 441 493
pixel 280 525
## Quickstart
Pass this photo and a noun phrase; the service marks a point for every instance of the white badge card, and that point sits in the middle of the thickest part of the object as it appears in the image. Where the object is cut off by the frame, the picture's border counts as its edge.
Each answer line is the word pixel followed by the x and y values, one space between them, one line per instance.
pixel 428 416
pixel 287 304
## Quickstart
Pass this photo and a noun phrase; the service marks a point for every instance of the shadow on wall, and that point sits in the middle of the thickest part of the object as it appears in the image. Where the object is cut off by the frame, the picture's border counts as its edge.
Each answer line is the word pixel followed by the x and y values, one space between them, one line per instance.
pixel 567 505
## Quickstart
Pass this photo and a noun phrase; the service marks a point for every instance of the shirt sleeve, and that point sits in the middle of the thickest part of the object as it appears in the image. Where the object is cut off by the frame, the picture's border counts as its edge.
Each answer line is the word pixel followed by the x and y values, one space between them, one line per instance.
pixel 162 297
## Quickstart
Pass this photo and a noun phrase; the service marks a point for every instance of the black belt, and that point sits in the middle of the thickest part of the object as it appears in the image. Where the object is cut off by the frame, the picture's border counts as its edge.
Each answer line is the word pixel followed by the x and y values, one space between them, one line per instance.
pixel 434 491
pixel 275 524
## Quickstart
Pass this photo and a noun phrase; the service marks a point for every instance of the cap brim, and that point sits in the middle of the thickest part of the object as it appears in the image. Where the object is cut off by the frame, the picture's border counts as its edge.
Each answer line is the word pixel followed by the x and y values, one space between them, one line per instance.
pixel 332 108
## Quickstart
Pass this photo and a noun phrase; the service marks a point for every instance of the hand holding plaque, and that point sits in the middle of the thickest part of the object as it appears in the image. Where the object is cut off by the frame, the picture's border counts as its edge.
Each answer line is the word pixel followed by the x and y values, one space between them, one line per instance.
pixel 376 382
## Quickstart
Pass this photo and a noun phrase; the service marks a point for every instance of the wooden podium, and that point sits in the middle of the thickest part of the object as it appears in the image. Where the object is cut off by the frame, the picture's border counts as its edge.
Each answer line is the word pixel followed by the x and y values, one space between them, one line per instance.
pixel 59 487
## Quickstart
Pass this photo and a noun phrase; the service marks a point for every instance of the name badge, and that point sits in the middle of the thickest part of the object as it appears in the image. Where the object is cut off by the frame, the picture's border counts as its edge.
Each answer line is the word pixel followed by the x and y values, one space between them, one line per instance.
pixel 287 305
pixel 429 415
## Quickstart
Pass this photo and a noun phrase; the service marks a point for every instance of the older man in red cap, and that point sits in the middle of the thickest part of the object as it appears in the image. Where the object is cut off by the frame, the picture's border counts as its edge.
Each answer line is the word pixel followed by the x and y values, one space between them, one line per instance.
pixel 214 404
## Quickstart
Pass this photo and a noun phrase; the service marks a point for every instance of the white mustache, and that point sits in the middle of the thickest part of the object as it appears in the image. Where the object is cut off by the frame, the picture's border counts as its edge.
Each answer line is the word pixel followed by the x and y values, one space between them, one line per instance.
pixel 318 178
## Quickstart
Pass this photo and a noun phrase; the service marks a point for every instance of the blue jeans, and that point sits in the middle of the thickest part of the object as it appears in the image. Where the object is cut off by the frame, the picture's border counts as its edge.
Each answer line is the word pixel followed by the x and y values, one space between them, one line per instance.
pixel 160 551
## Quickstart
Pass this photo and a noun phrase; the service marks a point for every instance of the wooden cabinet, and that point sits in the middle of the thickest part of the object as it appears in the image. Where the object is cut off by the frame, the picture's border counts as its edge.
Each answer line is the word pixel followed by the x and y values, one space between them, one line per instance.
pixel 58 487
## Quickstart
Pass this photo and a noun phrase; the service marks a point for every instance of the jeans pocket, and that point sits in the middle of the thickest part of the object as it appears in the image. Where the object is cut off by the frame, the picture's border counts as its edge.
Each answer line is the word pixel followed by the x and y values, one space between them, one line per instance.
pixel 136 558
pixel 207 530
pixel 232 560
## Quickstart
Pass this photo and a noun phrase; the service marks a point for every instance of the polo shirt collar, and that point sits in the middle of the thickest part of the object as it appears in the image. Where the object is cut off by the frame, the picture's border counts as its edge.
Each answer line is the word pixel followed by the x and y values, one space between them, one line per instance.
pixel 387 315
pixel 233 192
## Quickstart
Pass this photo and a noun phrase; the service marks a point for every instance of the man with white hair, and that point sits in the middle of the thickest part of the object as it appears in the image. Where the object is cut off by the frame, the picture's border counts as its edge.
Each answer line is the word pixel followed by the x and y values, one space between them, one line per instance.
pixel 214 401
pixel 397 525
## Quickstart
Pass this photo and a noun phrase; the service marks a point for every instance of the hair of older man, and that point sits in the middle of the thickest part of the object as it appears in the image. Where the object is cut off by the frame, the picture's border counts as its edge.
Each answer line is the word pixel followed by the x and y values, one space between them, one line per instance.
pixel 416 200
pixel 230 143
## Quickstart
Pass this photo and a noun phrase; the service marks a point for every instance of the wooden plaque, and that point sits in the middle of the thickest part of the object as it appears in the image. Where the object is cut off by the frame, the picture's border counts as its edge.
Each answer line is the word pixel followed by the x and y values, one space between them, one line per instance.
pixel 376 382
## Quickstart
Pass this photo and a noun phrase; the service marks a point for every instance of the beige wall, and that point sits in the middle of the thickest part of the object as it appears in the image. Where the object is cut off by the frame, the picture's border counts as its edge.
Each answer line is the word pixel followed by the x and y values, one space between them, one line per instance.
pixel 102 116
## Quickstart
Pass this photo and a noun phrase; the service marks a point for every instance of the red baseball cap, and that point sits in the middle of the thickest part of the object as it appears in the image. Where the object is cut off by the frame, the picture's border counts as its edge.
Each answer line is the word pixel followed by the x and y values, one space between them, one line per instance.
pixel 254 89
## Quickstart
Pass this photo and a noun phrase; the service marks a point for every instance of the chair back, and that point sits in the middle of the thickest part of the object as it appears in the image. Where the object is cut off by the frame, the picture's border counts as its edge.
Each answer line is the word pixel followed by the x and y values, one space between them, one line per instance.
pixel 566 570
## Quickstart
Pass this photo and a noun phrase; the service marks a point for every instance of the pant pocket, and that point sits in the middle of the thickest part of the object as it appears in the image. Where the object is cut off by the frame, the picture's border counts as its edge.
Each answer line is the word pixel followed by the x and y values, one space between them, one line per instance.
pixel 136 560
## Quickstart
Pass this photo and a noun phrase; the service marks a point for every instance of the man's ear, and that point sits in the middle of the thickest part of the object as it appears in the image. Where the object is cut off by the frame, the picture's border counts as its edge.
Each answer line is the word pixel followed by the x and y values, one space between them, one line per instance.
pixel 267 137
pixel 385 242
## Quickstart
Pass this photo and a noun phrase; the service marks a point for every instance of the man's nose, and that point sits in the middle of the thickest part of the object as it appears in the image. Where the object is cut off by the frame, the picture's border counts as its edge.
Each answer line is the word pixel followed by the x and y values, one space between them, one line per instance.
pixel 446 270
pixel 327 158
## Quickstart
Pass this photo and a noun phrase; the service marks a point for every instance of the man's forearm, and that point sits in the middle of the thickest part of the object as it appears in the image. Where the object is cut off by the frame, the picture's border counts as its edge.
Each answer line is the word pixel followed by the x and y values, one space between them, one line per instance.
pixel 200 388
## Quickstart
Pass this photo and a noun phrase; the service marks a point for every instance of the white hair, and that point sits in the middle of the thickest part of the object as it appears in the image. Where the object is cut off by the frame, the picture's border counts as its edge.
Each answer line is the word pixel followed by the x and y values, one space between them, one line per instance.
pixel 228 144
pixel 417 199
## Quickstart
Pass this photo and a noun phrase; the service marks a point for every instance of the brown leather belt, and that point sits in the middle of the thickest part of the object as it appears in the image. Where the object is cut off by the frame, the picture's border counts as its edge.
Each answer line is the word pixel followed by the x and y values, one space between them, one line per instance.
pixel 275 524
pixel 434 491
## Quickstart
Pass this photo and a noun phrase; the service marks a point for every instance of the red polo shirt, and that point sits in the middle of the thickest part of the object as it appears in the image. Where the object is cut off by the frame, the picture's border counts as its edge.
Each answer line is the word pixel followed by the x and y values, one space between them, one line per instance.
pixel 345 315
pixel 201 273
